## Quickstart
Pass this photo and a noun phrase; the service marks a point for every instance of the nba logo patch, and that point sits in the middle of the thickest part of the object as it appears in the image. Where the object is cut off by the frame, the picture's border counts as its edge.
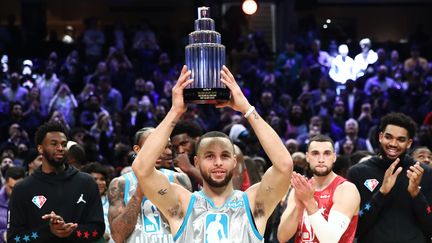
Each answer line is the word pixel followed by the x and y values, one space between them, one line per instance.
pixel 216 228
pixel 39 201
pixel 151 217
pixel 371 184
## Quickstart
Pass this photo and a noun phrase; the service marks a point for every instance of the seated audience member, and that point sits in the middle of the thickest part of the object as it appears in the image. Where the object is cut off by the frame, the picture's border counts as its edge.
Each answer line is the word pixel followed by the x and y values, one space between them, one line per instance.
pixel 423 154
pixel 13 175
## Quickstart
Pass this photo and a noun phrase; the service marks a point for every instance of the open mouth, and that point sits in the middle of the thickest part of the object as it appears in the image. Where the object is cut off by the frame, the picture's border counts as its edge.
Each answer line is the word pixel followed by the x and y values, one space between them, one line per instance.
pixel 392 152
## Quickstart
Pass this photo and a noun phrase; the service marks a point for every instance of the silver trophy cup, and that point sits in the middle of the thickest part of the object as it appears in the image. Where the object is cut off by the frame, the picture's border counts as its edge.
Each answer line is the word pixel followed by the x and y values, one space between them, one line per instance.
pixel 205 56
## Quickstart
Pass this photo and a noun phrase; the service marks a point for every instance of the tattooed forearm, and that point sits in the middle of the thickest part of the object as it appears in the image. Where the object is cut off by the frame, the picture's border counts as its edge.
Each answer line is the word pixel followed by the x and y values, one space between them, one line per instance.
pixel 173 123
pixel 116 191
pixel 130 215
pixel 163 191
pixel 122 218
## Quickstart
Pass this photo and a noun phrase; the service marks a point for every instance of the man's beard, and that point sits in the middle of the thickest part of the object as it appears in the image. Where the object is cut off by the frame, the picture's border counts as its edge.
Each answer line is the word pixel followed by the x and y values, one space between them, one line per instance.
pixel 321 173
pixel 54 163
pixel 386 159
pixel 207 178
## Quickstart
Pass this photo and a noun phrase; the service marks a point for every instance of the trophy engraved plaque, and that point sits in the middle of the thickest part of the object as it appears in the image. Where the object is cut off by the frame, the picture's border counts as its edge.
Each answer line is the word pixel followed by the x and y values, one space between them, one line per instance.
pixel 205 56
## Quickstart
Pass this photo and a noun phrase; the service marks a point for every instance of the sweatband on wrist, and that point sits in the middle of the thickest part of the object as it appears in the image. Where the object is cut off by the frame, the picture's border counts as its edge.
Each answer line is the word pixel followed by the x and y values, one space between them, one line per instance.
pixel 249 112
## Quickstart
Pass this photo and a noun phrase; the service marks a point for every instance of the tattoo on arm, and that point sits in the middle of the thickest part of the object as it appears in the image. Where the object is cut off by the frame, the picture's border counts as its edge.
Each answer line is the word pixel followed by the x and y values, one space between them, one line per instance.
pixel 259 210
pixel 163 191
pixel 173 124
pixel 256 117
pixel 269 189
pixel 124 217
pixel 116 191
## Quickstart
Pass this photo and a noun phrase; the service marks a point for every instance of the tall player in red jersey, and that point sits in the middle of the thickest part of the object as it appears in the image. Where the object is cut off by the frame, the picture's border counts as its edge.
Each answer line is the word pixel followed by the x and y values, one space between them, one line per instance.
pixel 325 208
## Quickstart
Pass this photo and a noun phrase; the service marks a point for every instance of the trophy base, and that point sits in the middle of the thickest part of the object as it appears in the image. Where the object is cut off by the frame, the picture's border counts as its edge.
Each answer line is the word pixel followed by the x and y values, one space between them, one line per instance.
pixel 206 95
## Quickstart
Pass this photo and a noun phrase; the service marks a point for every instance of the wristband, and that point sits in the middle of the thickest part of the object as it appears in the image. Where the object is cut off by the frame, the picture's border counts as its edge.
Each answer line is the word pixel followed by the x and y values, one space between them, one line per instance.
pixel 249 112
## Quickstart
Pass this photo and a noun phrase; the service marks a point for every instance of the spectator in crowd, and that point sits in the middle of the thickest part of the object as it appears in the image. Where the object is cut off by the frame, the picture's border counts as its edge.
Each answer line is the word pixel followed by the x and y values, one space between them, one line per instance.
pixel 296 122
pixel 395 66
pixel 48 84
pixel 90 111
pixel 15 116
pixel 365 58
pixel 342 67
pixel 15 92
pixel 324 209
pixel 132 216
pixel 353 98
pixel 6 162
pixel 164 72
pixel 292 145
pixel 351 133
pixel 323 98
pixel 68 207
pixel 32 161
pixel 64 101
pixel 289 63
pixel 13 175
pixel 100 175
pixel 71 72
pixel 33 110
pixel 416 63
pixel 111 98
pixel 387 194
pixel 93 39
pixel 216 160
pixel 423 154
pixel 318 61
pixel 381 80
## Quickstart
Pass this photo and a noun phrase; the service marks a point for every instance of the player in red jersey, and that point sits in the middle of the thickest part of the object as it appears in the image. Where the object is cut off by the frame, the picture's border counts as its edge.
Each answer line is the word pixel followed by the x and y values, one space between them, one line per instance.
pixel 325 208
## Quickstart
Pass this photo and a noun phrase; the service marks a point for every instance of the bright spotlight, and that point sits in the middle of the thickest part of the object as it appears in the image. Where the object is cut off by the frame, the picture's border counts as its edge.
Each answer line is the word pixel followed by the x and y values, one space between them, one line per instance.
pixel 325 26
pixel 249 7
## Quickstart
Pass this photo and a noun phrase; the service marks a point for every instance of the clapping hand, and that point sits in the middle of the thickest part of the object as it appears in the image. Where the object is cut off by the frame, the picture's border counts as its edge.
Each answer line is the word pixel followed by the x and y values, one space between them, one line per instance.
pixel 390 177
pixel 58 226
pixel 415 174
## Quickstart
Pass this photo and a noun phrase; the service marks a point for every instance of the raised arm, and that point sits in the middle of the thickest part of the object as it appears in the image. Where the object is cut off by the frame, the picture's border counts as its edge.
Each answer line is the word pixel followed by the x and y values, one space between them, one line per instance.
pixel 167 197
pixel 122 218
pixel 265 195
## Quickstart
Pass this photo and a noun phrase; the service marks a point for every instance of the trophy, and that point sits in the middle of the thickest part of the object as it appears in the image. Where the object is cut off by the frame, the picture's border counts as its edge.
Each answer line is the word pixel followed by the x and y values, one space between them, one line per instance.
pixel 205 56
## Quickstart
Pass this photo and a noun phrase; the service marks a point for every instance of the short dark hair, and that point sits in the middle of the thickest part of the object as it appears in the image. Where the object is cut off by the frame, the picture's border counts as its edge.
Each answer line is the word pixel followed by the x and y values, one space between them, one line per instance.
pixel 15 173
pixel 400 120
pixel 77 152
pixel 29 156
pixel 213 134
pixel 46 128
pixel 138 135
pixel 96 167
pixel 321 138
pixel 190 128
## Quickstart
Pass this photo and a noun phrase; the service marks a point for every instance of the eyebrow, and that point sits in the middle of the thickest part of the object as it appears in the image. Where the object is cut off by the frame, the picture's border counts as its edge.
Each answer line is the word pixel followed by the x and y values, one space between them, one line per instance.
pixel 387 133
